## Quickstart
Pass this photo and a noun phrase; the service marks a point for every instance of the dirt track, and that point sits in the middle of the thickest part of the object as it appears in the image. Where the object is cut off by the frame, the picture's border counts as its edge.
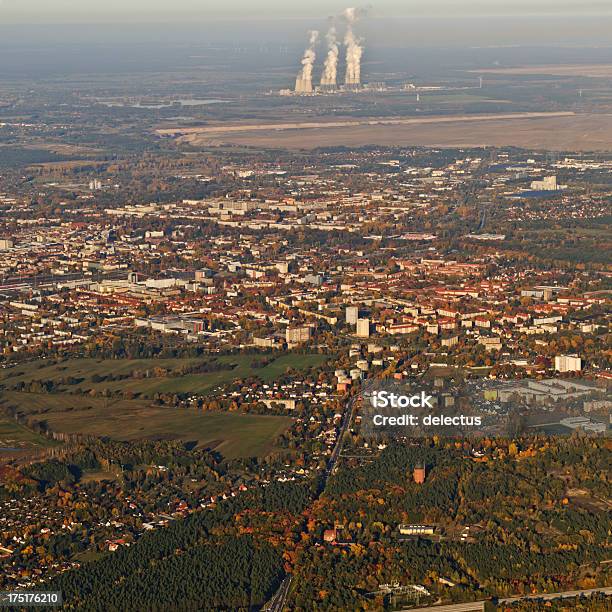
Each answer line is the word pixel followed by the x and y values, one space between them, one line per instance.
pixel 314 125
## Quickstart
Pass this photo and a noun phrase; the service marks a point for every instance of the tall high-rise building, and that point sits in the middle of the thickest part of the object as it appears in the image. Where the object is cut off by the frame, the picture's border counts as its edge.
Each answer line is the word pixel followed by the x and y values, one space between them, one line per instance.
pixel 363 328
pixel 352 314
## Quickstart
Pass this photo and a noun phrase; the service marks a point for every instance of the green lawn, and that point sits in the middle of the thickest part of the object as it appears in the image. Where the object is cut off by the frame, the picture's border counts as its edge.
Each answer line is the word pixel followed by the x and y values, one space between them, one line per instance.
pixel 233 435
pixel 291 360
pixel 85 369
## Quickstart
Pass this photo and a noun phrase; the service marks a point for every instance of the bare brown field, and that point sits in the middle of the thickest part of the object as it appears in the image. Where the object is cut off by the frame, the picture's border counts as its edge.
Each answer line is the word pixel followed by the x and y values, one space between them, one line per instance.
pixel 550 131
pixel 587 70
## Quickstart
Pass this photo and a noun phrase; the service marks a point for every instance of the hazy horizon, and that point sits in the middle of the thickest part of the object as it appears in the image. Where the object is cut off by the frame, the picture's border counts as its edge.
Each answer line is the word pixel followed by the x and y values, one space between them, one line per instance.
pixel 275 39
pixel 62 11
pixel 403 32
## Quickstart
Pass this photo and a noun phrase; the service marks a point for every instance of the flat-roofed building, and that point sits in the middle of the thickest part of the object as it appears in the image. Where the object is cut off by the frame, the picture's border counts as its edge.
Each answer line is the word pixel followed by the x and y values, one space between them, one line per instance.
pixel 568 363
pixel 363 328
pixel 352 315
pixel 416 529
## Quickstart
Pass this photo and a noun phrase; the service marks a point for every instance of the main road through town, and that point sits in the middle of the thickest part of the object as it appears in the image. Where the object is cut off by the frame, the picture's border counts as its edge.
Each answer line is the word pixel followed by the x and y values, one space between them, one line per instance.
pixel 277 602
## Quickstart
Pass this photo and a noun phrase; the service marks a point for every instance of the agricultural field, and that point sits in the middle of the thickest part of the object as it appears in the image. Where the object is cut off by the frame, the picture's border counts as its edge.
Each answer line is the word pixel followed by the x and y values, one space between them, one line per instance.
pixel 233 435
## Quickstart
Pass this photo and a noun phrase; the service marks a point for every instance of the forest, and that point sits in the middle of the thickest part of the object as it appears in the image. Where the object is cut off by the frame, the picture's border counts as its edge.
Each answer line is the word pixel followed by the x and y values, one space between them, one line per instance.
pixel 164 569
pixel 518 520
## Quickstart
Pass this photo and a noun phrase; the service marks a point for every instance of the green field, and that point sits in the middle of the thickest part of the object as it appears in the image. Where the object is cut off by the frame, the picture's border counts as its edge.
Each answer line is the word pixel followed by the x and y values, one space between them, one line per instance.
pixel 233 435
pixel 85 369
pixel 13 435
pixel 71 409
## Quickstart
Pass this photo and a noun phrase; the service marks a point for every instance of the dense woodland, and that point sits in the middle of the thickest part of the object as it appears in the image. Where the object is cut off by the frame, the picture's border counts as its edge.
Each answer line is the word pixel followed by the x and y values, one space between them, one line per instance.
pixel 153 576
pixel 530 532
pixel 165 568
pixel 527 534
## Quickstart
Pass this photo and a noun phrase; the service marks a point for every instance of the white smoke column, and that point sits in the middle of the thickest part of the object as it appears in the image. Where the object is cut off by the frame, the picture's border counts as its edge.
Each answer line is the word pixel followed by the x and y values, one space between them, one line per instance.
pixel 354 51
pixel 303 83
pixel 350 14
pixel 330 69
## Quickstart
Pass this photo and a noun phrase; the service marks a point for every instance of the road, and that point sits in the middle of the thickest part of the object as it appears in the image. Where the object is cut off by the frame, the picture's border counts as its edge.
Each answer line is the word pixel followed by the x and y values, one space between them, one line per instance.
pixel 547 596
pixel 478 606
pixel 347 417
pixel 277 603
pixel 475 606
pixel 483 220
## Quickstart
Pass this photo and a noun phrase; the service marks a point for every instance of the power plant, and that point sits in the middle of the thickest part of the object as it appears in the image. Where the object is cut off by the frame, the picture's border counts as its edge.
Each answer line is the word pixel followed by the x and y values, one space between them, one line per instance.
pixel 341 70
pixel 329 78
pixel 354 51
pixel 303 82
pixel 330 68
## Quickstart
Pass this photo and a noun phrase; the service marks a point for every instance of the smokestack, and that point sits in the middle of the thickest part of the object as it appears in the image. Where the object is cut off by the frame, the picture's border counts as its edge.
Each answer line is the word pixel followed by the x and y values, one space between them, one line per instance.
pixel 330 69
pixel 354 51
pixel 303 82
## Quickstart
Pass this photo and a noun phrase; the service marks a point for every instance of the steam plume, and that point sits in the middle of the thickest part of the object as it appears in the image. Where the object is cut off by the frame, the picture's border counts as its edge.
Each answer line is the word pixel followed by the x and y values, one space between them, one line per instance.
pixel 303 83
pixel 330 69
pixel 354 50
pixel 350 15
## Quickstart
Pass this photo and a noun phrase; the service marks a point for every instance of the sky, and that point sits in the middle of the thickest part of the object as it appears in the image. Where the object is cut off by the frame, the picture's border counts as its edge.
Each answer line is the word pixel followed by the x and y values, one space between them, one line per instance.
pixel 62 11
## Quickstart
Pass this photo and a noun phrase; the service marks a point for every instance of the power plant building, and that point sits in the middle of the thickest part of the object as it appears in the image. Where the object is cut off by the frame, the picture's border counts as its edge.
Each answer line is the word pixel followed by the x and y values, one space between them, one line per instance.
pixel 329 78
pixel 303 85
